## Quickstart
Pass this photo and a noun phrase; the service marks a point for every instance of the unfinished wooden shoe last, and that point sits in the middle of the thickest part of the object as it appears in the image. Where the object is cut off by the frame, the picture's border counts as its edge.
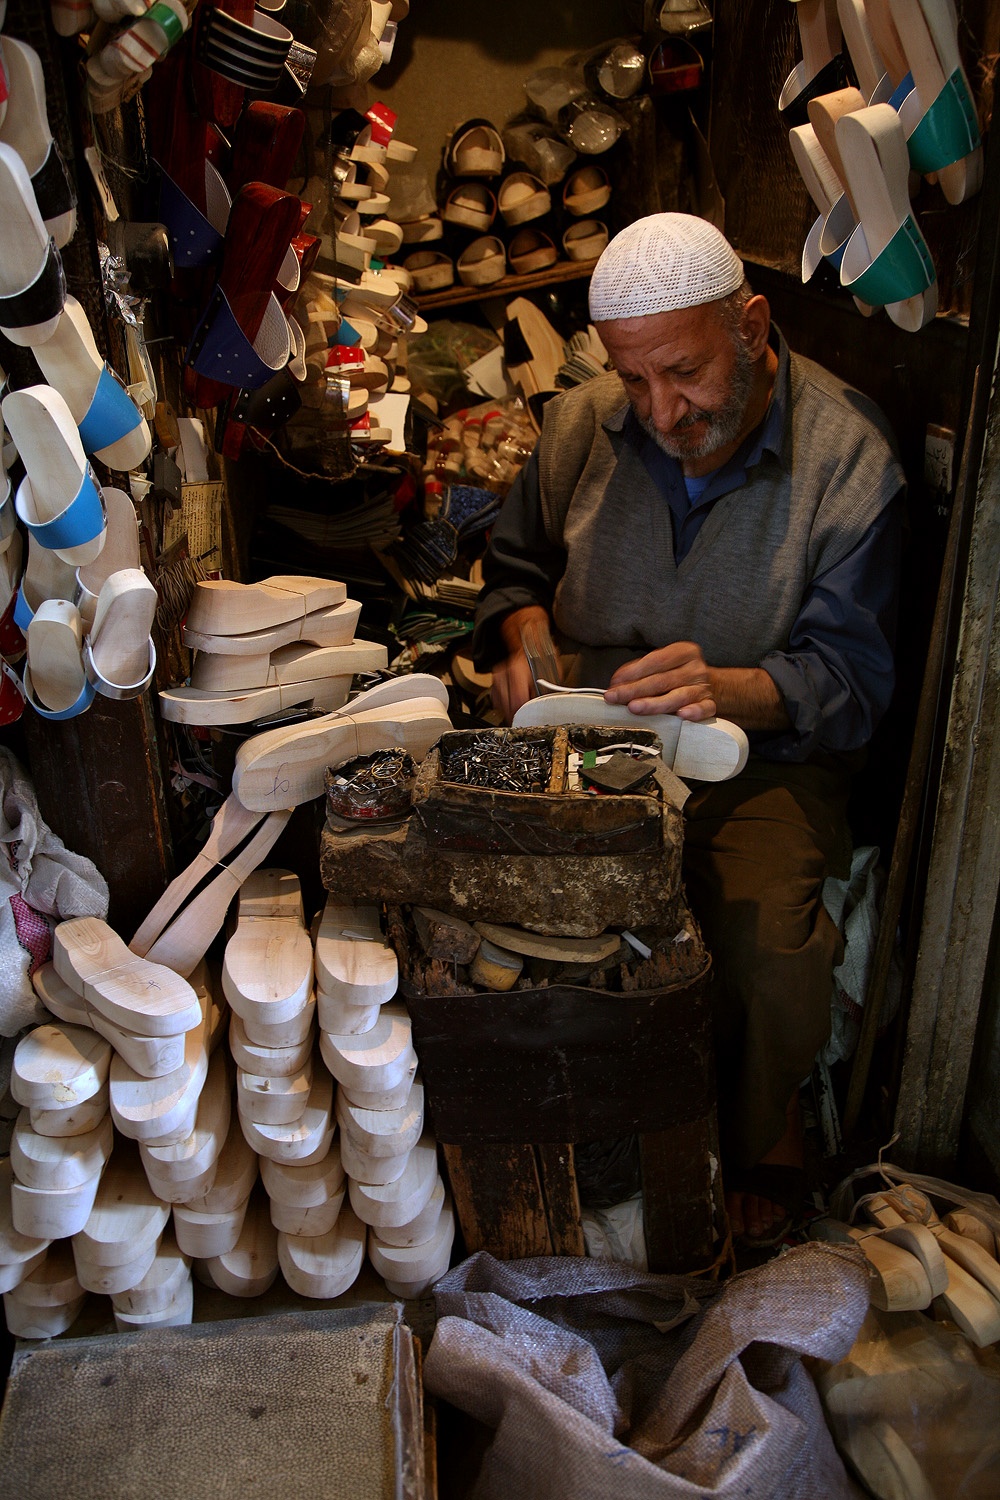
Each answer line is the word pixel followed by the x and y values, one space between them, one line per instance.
pixel 59 1162
pixel 267 970
pixel 383 1132
pixel 272 1062
pixel 222 607
pixel 156 1291
pixel 420 1228
pixel 409 1270
pixel 186 1169
pixel 308 1138
pixel 235 1174
pixel 354 963
pixel 324 1265
pixel 133 992
pixel 57 1066
pixel 333 626
pixel 268 1100
pixel 161 1111
pixel 397 1203
pixel 250 1267
pixel 152 1056
pixel 376 1060
pixel 303 1187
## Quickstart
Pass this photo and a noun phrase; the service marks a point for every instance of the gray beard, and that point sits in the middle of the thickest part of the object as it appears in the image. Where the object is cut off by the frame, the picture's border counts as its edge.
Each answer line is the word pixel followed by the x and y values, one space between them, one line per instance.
pixel 723 426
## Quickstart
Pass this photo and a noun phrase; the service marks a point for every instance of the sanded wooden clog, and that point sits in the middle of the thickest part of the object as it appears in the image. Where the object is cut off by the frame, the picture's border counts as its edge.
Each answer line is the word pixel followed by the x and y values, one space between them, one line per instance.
pixel 267 971
pixel 307 1138
pixel 222 607
pixel 151 1056
pixel 250 1267
pixel 109 1279
pixel 354 963
pixel 201 1233
pixel 374 1060
pixel 55 677
pixel 119 657
pixel 57 1066
pixel 397 1203
pixel 76 1119
pixel 16 1247
pixel 414 1267
pixel 392 1098
pixel 374 1171
pixel 154 1292
pixel 133 992
pixel 186 1169
pixel 161 1111
pixel 52 1213
pixel 235 1174
pixel 272 1062
pixel 333 626
pixel 318 1219
pixel 422 1226
pixel 382 1132
pixel 303 1187
pixel 177 1314
pixel 59 1162
pixel 53 1281
pixel 269 1100
pixel 324 1265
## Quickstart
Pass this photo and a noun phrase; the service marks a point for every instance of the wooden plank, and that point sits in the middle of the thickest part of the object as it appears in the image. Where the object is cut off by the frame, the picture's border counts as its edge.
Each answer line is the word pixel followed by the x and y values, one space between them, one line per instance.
pixel 681 1208
pixel 562 1198
pixel 498 1200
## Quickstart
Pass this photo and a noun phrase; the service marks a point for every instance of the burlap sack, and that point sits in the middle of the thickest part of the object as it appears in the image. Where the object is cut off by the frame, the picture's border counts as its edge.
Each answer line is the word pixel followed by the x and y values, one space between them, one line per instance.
pixel 600 1380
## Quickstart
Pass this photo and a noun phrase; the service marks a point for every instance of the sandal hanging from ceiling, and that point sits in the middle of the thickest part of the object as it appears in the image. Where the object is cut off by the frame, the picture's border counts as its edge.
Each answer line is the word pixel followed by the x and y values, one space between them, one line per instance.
pixel 112 428
pixel 25 129
pixel 59 499
pixel 32 282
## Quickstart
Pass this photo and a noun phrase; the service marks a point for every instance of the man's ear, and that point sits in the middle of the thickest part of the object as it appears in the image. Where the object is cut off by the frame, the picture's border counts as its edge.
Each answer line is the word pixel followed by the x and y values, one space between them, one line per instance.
pixel 756 325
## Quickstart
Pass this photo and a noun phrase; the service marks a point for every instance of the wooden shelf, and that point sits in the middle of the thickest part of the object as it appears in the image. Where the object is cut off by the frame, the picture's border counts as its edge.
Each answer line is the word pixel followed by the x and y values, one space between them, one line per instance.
pixel 507 286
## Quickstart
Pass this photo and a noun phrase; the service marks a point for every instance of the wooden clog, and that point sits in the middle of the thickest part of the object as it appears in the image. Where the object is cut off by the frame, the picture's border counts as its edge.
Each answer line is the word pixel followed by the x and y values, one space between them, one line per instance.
pixel 71 362
pixel 133 992
pixel 420 1228
pixel 202 1234
pixel 344 1020
pixel 961 1221
pixel 154 1292
pixel 77 1119
pixel 55 682
pixel 354 963
pixel 267 971
pixel 119 656
pixel 319 1219
pixel 185 1170
pixel 283 768
pixel 267 1100
pixel 59 501
pixel 307 1138
pixel 25 129
pixel 235 1174
pixel 45 1161
pixel 152 1056
pixel 52 1213
pixel 393 1098
pixel 178 1313
pixel 383 1132
pixel 414 1267
pixel 914 1208
pixel 12 1273
pixel 27 1320
pixel 249 1268
pixel 523 197
pixel 32 281
pixel 897 1280
pixel 161 1111
pixel 57 1066
pixel 53 1281
pixel 333 626
pixel 376 1060
pixel 712 750
pixel 375 1171
pixel 304 1187
pixel 16 1247
pixel 324 1265
pixel 120 550
pixel 482 262
pixel 287 666
pixel 127 1217
pixel 297 1030
pixel 222 607
pixel 272 1062
pixel 109 1280
pixel 397 1203
pixel 183 943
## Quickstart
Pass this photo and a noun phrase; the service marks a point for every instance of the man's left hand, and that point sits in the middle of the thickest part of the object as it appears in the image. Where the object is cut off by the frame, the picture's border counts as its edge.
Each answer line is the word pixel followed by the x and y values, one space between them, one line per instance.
pixel 674 679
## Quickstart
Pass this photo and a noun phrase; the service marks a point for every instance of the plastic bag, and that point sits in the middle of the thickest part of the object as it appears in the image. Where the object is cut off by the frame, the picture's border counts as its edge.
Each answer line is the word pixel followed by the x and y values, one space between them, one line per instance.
pixel 916 1410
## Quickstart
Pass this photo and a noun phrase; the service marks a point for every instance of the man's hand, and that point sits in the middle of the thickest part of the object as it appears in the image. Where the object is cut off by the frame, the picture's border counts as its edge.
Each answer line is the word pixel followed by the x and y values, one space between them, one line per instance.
pixel 673 680
pixel 676 679
pixel 512 680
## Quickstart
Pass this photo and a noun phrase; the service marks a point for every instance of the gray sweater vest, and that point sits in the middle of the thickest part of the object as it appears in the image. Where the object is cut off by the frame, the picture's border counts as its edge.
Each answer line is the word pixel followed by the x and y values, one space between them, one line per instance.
pixel 738 591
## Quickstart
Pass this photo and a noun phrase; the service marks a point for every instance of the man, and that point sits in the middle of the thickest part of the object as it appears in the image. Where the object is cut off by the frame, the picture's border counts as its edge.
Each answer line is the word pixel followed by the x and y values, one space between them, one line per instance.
pixel 713 529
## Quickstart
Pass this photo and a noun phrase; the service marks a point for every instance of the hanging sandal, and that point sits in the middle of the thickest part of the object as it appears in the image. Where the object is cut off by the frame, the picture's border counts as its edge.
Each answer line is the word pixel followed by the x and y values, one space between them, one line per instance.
pixel 59 500
pixel 475 149
pixel 471 205
pixel 55 683
pixel 939 113
pixel 25 129
pixel 118 654
pixel 111 426
pixel 29 309
pixel 120 551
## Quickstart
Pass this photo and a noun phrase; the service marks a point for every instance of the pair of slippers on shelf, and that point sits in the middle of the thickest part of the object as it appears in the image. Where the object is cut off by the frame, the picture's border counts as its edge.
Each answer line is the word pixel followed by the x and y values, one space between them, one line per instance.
pixel 86 624
pixel 264 647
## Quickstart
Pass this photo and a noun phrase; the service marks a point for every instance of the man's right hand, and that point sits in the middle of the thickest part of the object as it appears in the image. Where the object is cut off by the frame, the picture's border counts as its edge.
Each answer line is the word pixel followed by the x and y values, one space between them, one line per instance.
pixel 512 680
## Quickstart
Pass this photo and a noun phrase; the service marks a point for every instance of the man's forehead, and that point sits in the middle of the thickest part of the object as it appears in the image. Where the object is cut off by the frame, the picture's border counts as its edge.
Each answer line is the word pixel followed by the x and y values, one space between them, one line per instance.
pixel 679 334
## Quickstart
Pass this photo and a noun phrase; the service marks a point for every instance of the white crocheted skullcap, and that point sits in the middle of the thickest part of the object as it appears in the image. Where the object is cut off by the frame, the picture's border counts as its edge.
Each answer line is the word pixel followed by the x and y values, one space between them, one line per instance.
pixel 661 264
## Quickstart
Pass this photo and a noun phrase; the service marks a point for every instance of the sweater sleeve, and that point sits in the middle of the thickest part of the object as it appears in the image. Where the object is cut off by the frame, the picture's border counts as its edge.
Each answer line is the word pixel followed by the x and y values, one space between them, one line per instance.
pixel 837 676
pixel 522 566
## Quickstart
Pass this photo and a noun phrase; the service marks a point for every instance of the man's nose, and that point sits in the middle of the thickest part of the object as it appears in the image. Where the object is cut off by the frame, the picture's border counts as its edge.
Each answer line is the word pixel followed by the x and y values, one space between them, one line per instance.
pixel 667 405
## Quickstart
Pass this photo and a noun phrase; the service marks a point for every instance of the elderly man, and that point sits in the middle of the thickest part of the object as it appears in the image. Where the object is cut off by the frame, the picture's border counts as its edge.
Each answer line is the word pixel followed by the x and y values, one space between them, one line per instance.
pixel 713 529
